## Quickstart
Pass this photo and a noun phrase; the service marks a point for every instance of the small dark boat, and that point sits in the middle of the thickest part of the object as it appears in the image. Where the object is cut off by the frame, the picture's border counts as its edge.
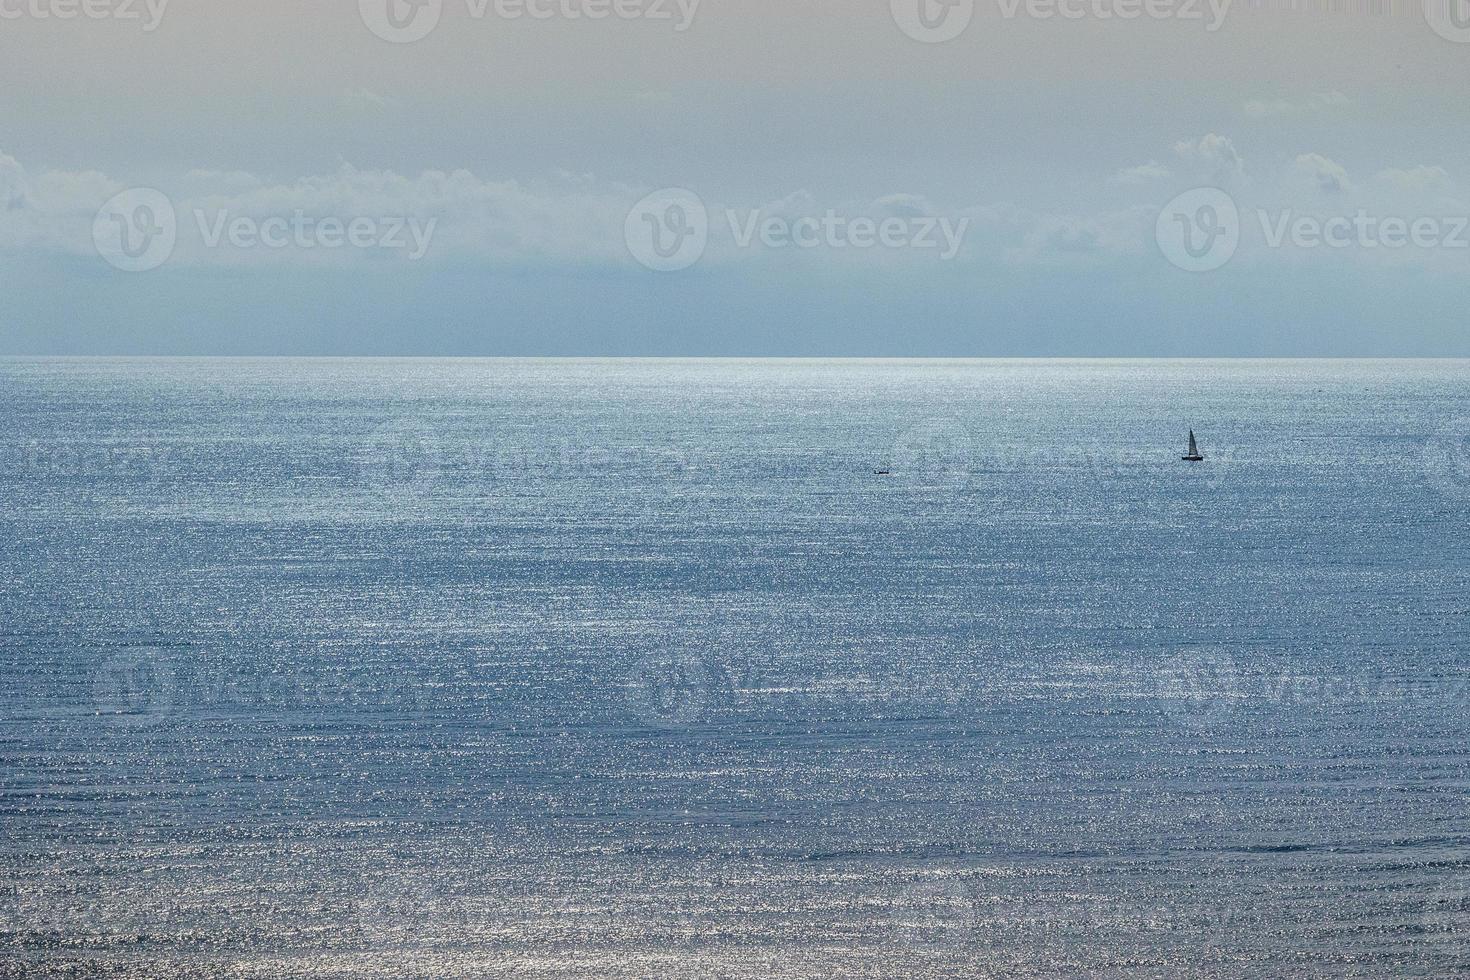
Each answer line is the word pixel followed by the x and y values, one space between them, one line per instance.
pixel 882 472
pixel 1194 455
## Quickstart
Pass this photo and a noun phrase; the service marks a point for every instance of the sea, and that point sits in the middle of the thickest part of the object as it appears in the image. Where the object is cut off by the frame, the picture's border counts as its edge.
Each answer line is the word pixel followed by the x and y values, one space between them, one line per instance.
pixel 734 668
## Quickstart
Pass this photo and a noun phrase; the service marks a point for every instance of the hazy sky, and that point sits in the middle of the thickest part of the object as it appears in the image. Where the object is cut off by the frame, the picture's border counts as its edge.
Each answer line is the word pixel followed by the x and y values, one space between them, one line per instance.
pixel 841 181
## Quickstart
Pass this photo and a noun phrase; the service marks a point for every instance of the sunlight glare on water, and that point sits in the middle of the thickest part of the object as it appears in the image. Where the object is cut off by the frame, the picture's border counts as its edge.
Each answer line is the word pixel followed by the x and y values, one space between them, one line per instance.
pixel 638 668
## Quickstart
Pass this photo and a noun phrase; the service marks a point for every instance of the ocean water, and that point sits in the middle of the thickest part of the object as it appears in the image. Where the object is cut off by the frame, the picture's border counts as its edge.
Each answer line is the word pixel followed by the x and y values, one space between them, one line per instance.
pixel 617 669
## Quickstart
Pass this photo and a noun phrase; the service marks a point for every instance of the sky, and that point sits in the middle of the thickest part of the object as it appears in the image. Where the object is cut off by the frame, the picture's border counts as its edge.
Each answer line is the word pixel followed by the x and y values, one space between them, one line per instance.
pixel 672 177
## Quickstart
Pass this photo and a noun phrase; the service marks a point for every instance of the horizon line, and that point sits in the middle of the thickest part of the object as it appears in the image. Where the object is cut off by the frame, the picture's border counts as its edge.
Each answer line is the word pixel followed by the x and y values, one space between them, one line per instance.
pixel 734 357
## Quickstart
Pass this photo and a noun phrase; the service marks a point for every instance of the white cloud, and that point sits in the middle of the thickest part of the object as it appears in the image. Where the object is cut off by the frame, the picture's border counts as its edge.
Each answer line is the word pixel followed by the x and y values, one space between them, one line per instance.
pixel 1419 179
pixel 1112 232
pixel 797 204
pixel 570 220
pixel 901 206
pixel 14 188
pixel 1141 174
pixel 566 220
pixel 53 209
pixel 1017 235
pixel 1325 175
pixel 1214 157
pixel 485 220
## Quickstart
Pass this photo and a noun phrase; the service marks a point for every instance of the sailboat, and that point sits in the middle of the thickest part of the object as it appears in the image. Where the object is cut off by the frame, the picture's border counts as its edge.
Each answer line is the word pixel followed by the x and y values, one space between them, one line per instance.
pixel 1194 456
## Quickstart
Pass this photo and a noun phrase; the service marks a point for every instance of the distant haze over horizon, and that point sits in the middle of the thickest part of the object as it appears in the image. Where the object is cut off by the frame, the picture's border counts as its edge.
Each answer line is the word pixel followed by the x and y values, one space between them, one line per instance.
pixel 706 179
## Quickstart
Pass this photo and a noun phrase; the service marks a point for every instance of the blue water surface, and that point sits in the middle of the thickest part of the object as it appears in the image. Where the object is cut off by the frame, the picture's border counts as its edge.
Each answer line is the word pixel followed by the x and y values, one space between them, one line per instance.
pixel 606 669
